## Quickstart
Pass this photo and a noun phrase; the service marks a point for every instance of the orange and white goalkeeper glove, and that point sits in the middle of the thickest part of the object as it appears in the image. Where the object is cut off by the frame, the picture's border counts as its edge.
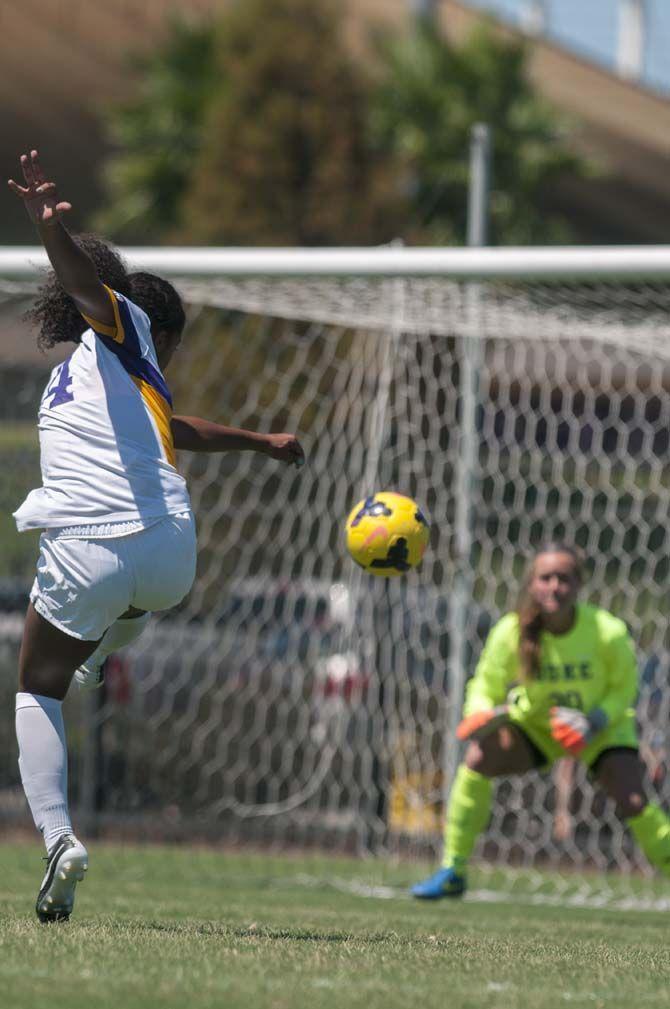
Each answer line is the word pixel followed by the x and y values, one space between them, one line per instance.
pixel 481 723
pixel 574 730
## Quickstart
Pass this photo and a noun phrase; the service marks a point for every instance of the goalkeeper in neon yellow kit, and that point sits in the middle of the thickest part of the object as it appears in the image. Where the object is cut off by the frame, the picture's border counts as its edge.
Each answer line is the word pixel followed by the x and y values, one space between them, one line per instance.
pixel 556 677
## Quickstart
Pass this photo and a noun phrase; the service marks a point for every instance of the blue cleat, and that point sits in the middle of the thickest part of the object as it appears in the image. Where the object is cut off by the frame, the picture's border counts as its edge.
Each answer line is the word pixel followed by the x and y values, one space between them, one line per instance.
pixel 443 883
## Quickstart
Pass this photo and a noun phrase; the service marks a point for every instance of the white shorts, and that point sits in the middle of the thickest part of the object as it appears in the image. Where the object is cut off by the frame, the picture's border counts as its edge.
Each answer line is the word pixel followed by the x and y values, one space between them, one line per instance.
pixel 84 585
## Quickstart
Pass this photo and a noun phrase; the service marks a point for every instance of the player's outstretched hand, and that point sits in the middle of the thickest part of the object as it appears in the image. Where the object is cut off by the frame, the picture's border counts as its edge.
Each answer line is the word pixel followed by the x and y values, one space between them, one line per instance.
pixel 481 723
pixel 39 194
pixel 285 448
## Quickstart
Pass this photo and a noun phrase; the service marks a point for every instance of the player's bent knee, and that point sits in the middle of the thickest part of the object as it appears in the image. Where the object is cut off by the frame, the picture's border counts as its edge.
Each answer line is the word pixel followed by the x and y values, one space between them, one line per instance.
pixel 508 740
pixel 628 806
pixel 479 760
pixel 474 758
pixel 621 776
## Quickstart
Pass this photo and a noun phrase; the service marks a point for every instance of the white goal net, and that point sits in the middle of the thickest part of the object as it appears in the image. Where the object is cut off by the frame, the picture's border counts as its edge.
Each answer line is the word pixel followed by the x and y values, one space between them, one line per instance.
pixel 519 397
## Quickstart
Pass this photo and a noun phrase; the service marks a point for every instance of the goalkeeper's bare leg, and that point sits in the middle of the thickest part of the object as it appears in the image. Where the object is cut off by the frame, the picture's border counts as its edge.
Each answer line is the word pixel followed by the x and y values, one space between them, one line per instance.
pixel 505 751
pixel 620 772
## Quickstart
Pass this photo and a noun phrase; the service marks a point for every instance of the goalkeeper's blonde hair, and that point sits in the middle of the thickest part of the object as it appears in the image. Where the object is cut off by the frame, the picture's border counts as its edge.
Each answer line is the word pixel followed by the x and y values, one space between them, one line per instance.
pixel 530 614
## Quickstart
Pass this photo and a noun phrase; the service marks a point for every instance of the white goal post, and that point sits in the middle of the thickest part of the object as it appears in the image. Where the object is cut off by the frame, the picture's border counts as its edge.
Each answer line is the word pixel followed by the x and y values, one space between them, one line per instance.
pixel 519 395
pixel 605 261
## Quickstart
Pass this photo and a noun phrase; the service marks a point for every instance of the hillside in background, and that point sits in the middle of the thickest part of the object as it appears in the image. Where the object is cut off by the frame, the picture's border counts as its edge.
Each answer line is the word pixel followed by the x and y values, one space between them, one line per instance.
pixel 66 60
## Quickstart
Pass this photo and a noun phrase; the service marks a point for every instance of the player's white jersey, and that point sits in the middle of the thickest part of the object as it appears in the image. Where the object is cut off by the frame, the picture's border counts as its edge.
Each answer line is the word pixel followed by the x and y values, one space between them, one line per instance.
pixel 106 446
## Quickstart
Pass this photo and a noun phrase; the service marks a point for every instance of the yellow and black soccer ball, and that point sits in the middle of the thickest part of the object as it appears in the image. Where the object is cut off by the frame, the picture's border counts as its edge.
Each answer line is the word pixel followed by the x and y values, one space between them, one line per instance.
pixel 387 534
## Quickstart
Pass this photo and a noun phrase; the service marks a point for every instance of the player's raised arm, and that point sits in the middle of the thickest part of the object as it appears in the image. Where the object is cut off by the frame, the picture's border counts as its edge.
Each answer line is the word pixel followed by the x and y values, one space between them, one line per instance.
pixel 72 266
pixel 198 435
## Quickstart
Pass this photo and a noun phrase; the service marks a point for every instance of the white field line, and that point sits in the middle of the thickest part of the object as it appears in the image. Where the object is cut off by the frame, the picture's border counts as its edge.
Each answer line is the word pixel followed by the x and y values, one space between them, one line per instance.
pixel 384 892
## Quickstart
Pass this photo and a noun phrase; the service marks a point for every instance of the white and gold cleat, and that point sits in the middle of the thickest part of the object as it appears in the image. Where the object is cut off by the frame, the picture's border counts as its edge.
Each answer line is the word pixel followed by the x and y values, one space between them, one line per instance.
pixel 66 864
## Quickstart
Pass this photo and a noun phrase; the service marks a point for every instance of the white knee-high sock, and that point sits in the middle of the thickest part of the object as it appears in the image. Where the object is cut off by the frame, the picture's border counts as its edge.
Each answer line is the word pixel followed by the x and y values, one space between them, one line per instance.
pixel 121 633
pixel 43 763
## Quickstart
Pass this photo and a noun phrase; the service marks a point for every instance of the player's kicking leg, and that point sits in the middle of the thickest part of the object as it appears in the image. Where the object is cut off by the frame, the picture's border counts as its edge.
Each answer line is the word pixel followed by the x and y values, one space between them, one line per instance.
pixel 47 661
pixel 125 630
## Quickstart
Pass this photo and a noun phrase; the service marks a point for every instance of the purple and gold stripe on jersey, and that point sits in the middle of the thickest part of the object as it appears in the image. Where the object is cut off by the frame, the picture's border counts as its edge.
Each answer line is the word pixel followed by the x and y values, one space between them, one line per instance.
pixel 161 411
pixel 115 332
pixel 124 342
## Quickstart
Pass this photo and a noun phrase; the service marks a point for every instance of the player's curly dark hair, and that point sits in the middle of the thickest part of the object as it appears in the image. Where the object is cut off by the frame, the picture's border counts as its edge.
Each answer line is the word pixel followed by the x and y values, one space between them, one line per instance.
pixel 55 314
pixel 530 614
pixel 158 298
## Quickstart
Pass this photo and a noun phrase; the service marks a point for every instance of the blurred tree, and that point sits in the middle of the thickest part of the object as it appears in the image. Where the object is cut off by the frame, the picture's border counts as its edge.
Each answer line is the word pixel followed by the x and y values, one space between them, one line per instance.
pixel 157 134
pixel 262 129
pixel 287 159
pixel 429 95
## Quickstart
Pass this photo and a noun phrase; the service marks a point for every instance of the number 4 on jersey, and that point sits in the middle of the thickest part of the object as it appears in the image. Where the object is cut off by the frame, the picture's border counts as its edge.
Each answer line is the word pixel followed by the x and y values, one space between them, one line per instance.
pixel 61 385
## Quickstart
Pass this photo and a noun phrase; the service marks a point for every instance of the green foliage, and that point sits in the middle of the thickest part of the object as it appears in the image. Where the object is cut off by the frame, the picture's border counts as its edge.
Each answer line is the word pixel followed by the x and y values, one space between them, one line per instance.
pixel 286 158
pixel 262 129
pixel 158 133
pixel 430 94
pixel 19 452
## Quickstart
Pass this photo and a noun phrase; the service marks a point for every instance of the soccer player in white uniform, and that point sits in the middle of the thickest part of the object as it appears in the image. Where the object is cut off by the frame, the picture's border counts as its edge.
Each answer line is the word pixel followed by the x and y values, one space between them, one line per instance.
pixel 119 535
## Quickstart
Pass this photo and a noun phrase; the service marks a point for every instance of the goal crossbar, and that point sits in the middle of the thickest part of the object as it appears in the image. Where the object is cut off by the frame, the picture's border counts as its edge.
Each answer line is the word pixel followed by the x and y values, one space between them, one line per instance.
pixel 389 261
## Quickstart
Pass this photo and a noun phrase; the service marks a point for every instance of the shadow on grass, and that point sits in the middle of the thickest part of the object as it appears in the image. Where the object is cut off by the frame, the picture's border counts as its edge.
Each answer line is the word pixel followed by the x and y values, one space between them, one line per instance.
pixel 223 931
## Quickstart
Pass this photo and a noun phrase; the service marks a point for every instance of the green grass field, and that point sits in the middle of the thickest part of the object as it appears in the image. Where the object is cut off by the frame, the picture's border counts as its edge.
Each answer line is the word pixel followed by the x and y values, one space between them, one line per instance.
pixel 191 928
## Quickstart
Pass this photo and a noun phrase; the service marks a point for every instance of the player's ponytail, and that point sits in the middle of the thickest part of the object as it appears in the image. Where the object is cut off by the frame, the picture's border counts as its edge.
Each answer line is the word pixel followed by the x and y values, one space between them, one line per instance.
pixel 530 628
pixel 530 614
pixel 57 318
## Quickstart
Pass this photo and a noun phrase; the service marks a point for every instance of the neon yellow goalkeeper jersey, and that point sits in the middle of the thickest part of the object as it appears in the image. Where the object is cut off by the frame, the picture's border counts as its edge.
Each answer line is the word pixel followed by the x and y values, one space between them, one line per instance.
pixel 592 666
